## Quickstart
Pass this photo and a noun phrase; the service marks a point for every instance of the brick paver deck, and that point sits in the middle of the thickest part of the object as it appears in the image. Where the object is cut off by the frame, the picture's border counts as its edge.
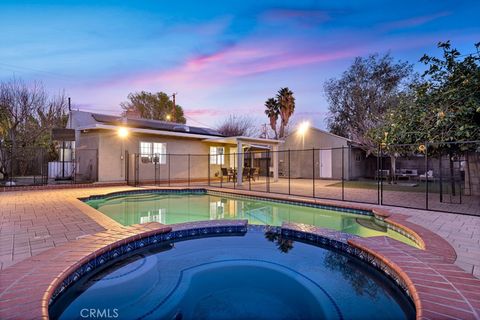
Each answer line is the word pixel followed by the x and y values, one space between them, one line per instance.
pixel 440 290
pixel 34 221
pixel 25 290
pixel 330 189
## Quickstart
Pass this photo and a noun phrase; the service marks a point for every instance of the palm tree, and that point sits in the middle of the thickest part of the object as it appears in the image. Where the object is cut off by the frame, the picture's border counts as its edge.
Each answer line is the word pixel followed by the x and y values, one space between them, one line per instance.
pixel 272 111
pixel 286 102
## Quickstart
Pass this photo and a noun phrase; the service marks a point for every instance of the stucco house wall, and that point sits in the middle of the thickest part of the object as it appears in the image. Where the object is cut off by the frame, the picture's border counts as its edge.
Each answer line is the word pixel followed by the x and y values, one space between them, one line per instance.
pixel 186 155
pixel 112 163
pixel 305 162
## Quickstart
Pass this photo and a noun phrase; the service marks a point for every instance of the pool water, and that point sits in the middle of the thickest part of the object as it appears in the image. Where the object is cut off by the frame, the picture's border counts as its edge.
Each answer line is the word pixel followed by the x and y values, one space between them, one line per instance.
pixel 255 276
pixel 178 208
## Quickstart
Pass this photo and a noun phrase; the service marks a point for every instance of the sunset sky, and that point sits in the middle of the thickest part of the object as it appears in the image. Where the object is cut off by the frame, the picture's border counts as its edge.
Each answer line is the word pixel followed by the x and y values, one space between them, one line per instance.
pixel 221 57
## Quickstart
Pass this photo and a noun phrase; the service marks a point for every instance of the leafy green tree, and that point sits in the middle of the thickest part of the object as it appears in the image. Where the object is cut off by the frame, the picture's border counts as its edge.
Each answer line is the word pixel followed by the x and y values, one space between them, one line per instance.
pixel 444 106
pixel 155 106
pixel 441 108
pixel 449 99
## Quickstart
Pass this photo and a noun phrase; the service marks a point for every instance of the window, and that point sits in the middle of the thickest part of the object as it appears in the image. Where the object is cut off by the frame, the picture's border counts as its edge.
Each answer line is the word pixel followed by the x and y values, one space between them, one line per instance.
pixel 217 210
pixel 160 217
pixel 217 155
pixel 153 152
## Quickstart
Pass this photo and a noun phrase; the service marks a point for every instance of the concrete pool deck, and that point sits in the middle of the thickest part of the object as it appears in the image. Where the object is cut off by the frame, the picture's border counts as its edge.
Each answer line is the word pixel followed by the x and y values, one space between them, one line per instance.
pixel 34 221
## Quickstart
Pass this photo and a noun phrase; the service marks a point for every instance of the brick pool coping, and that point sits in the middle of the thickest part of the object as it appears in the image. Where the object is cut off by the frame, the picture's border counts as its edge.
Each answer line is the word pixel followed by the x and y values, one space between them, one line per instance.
pixel 424 238
pixel 438 288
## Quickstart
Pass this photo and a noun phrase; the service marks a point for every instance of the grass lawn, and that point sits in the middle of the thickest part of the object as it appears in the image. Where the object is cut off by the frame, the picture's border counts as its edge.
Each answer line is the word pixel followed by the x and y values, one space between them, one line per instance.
pixel 421 186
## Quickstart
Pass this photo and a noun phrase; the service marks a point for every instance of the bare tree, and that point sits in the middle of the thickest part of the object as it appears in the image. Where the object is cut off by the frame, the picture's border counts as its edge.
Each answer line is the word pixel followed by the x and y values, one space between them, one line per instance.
pixel 19 103
pixel 238 126
pixel 27 114
pixel 359 99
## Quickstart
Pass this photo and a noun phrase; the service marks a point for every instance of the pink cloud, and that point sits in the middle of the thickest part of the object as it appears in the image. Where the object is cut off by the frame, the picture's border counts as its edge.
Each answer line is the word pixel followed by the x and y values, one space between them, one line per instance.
pixel 230 63
pixel 414 21
pixel 201 73
pixel 292 59
pixel 205 112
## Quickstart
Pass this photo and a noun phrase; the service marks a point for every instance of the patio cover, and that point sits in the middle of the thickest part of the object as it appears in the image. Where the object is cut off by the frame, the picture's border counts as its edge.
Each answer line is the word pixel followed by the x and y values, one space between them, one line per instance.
pixel 241 142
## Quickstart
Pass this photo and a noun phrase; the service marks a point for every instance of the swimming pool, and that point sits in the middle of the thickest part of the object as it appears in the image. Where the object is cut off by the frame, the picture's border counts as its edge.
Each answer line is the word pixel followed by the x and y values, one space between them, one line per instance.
pixel 186 206
pixel 260 275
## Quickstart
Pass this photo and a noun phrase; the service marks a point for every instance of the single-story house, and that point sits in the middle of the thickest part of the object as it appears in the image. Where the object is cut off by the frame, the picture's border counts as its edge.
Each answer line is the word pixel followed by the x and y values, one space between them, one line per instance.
pixel 317 153
pixel 163 149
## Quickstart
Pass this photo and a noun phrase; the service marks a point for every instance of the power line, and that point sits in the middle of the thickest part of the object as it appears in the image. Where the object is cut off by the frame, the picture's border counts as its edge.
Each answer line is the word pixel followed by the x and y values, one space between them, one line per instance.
pixel 201 123
pixel 26 69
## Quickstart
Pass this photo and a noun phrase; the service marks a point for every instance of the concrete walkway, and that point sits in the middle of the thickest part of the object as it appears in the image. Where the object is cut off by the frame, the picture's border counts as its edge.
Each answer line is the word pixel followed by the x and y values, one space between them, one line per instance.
pixel 34 221
pixel 331 189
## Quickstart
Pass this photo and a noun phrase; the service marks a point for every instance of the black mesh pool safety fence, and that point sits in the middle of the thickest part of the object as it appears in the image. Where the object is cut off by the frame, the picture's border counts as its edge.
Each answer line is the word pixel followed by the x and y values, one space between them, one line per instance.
pixel 429 176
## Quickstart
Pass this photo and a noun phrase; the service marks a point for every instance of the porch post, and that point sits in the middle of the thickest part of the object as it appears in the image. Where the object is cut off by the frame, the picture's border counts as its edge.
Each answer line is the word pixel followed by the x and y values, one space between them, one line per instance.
pixel 239 163
pixel 275 162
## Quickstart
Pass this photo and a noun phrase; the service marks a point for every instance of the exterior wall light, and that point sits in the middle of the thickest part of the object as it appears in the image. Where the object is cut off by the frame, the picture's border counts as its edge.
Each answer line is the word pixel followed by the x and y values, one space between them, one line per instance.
pixel 122 132
pixel 303 127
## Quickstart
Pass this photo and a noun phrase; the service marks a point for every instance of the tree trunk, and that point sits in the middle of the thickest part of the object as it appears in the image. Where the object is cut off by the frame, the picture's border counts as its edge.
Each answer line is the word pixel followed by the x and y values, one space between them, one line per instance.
pixel 4 164
pixel 282 130
pixel 393 168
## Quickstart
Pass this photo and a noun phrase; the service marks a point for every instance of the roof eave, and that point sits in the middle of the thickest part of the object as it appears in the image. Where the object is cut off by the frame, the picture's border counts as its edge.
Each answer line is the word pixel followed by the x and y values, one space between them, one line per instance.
pixel 149 131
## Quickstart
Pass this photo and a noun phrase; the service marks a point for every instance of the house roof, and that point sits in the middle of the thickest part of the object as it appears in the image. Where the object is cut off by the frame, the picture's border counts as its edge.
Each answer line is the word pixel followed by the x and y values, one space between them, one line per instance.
pixel 88 120
pixel 324 132
pixel 243 139
pixel 82 120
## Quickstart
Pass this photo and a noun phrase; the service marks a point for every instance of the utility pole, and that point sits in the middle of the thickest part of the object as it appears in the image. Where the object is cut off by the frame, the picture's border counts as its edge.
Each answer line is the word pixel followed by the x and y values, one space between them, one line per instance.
pixel 173 111
pixel 70 112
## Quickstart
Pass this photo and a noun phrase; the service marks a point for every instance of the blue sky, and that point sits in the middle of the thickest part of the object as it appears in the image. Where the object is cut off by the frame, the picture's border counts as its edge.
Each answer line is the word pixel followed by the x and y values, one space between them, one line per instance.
pixel 222 57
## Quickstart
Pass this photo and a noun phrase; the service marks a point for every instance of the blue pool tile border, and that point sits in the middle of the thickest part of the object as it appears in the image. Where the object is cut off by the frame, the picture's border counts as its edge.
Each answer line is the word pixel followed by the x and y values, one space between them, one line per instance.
pixel 321 237
pixel 337 240
pixel 227 194
pixel 142 191
pixel 200 231
pixel 293 202
pixel 200 191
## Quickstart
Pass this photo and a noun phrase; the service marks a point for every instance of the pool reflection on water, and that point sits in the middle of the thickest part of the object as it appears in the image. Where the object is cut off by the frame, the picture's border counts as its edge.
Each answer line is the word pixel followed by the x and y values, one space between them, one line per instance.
pixel 260 275
pixel 178 208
